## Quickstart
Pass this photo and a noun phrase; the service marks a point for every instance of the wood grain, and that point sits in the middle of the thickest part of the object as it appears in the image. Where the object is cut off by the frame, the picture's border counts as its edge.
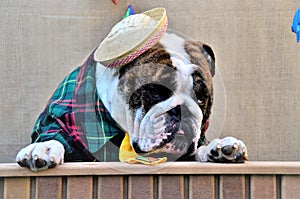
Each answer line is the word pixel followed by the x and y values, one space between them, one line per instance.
pixel 117 168
pixel 17 188
pixel 80 187
pixel 140 187
pixel 263 186
pixel 171 187
pixel 110 187
pixel 179 180
pixel 232 186
pixel 49 187
pixel 202 186
pixel 290 187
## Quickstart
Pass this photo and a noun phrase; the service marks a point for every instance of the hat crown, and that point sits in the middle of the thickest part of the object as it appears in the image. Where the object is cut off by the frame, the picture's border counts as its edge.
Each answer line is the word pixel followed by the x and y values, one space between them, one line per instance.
pixel 131 36
pixel 130 27
pixel 132 22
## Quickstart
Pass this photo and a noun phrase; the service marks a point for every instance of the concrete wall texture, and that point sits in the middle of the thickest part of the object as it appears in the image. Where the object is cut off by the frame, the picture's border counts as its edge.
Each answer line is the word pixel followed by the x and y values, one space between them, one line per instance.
pixel 258 60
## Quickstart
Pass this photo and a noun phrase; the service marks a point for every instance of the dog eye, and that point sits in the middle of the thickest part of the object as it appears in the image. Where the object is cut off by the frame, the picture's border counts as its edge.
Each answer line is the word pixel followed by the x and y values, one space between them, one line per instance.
pixel 148 95
pixel 201 89
pixel 200 103
pixel 154 93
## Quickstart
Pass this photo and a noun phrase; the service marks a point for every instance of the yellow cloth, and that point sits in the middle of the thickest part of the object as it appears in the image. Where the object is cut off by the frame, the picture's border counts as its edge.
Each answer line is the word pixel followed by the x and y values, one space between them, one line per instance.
pixel 127 154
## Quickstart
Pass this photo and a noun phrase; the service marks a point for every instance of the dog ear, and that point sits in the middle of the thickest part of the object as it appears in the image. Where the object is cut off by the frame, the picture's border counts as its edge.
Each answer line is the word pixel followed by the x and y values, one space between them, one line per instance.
pixel 210 57
pixel 201 54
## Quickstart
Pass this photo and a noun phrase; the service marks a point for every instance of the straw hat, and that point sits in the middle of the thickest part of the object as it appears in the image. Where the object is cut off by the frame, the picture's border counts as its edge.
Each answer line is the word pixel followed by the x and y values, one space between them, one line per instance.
pixel 131 37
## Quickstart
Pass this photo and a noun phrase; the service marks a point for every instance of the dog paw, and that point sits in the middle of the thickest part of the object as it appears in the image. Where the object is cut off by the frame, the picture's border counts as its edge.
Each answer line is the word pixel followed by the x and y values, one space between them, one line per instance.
pixel 226 150
pixel 41 156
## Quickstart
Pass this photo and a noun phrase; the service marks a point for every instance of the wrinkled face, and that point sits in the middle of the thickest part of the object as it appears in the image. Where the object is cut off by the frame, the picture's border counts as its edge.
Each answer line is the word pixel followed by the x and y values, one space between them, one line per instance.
pixel 164 97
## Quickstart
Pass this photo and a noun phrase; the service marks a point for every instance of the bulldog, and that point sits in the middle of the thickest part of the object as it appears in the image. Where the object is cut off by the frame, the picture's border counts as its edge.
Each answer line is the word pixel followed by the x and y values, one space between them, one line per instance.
pixel 161 96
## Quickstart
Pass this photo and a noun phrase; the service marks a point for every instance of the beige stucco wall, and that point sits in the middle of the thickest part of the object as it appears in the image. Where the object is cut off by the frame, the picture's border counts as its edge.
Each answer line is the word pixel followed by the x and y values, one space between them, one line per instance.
pixel 258 60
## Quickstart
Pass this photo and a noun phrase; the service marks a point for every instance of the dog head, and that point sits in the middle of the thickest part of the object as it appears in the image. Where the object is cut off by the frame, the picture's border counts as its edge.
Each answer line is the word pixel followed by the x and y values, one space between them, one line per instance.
pixel 163 98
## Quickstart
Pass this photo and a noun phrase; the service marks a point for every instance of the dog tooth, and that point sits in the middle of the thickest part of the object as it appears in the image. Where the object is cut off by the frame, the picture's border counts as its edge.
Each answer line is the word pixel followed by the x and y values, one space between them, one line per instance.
pixel 219 146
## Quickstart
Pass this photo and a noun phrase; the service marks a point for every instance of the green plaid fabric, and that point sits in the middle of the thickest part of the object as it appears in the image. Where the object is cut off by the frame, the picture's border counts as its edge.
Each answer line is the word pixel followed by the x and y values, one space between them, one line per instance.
pixel 76 117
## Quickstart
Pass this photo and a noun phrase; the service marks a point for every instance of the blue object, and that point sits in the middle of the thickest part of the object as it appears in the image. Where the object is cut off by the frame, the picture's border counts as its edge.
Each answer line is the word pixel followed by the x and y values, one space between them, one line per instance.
pixel 129 11
pixel 296 24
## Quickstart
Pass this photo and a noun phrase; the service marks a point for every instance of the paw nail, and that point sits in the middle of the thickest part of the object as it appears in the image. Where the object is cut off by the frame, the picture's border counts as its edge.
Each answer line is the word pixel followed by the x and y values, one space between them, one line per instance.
pixel 26 156
pixel 235 146
pixel 244 149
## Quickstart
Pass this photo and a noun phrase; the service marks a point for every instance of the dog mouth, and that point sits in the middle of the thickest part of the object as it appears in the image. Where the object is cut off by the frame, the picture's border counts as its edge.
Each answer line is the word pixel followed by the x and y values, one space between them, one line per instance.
pixel 175 132
pixel 172 131
pixel 176 146
pixel 178 140
pixel 182 142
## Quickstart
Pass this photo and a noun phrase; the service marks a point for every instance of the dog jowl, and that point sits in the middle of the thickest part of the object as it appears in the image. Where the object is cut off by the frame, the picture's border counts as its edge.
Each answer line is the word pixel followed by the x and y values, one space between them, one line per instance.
pixel 161 97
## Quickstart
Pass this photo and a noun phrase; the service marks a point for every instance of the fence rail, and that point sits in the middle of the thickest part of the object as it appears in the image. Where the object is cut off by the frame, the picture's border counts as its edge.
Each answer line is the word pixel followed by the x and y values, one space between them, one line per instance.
pixel 171 180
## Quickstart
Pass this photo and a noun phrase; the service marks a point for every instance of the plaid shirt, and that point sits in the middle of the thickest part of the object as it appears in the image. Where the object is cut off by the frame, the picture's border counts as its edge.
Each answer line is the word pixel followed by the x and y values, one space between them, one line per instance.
pixel 76 117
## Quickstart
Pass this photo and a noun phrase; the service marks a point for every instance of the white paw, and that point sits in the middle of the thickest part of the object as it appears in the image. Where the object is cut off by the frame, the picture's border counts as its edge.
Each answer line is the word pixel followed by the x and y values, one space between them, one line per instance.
pixel 41 155
pixel 227 150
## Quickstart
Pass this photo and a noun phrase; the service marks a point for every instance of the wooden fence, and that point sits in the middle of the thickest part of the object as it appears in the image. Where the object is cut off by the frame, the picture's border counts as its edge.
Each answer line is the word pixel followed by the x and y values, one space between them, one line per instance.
pixel 170 180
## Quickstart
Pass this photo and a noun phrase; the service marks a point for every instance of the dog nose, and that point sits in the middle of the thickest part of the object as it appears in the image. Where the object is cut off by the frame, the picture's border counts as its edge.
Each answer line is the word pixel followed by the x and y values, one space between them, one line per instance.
pixel 175 113
pixel 173 121
pixel 185 112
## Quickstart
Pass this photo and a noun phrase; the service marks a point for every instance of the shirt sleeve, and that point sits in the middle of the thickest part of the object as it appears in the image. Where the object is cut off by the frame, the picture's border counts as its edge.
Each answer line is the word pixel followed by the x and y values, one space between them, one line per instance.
pixel 51 122
pixel 47 128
